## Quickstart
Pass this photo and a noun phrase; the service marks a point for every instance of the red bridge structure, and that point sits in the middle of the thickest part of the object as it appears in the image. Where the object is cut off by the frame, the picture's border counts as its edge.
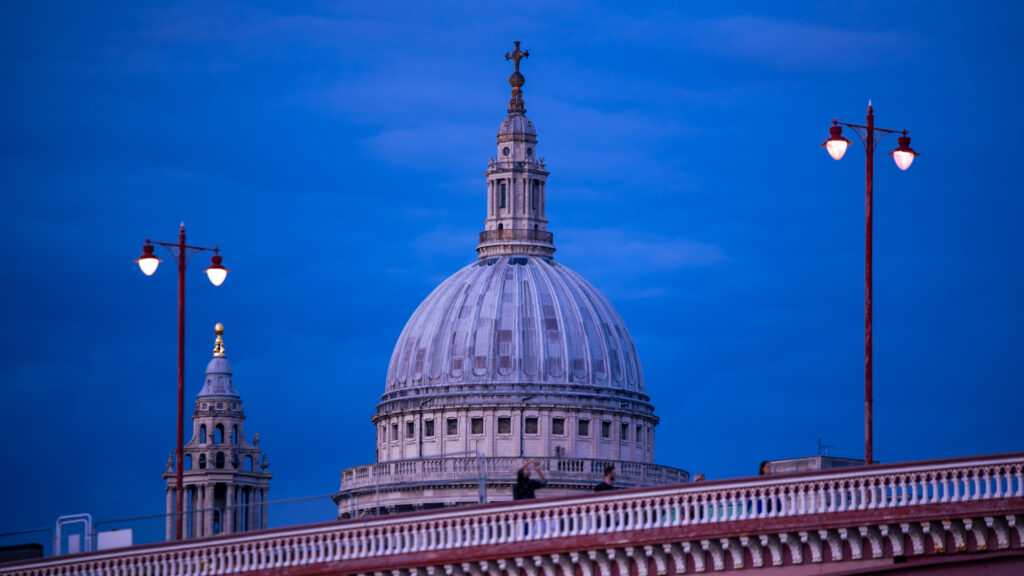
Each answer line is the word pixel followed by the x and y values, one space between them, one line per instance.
pixel 956 516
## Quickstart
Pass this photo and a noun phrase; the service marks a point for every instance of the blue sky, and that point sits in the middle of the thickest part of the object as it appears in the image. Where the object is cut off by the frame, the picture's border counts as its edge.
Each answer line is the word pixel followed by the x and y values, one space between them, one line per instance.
pixel 335 152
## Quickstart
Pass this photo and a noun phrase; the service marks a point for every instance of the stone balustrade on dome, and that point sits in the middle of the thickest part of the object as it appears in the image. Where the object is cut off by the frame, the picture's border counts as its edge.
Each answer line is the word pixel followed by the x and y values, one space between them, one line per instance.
pixel 446 470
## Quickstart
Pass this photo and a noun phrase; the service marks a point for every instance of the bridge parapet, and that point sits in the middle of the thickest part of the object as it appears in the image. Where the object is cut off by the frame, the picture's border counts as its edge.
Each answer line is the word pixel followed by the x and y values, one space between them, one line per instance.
pixel 843 519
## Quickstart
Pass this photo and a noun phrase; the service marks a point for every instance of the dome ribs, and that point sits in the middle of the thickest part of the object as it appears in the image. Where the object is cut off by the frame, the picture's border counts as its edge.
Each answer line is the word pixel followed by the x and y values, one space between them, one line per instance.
pixel 506 322
pixel 553 347
pixel 519 324
pixel 444 326
pixel 573 331
pixel 596 344
pixel 485 322
pixel 531 345
pixel 461 356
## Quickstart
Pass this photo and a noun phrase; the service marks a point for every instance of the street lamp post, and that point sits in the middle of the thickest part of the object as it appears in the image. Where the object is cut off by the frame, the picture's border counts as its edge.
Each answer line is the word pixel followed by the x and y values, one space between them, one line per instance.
pixel 216 272
pixel 903 156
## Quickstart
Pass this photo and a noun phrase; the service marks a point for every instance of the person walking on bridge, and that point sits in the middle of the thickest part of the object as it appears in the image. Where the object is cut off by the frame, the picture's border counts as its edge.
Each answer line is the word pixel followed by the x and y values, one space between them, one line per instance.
pixel 609 479
pixel 525 486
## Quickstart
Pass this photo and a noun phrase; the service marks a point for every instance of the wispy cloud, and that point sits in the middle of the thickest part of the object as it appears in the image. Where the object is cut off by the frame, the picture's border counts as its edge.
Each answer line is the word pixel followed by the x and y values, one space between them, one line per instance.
pixel 788 44
pixel 632 264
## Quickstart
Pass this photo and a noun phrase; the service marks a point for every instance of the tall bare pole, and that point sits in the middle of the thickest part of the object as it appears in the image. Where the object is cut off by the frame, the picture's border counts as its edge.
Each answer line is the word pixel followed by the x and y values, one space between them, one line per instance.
pixel 868 201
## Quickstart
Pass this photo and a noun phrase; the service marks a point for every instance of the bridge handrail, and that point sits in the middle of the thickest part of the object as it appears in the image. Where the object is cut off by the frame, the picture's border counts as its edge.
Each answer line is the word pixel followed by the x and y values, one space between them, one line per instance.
pixel 889 487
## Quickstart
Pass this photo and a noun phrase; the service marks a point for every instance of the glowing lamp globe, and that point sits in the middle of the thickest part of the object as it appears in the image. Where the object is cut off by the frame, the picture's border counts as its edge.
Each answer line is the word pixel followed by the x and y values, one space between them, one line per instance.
pixel 216 272
pixel 903 154
pixel 148 262
pixel 836 144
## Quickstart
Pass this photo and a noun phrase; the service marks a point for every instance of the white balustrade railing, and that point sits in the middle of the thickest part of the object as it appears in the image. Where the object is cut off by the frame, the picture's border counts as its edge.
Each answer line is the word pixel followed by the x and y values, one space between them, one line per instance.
pixel 888 487
pixel 452 468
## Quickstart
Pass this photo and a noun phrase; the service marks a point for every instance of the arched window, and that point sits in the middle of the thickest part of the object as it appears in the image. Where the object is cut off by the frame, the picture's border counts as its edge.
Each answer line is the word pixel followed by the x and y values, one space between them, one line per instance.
pixel 220 460
pixel 248 463
pixel 202 434
pixel 234 434
pixel 202 461
pixel 501 226
pixel 188 461
pixel 219 434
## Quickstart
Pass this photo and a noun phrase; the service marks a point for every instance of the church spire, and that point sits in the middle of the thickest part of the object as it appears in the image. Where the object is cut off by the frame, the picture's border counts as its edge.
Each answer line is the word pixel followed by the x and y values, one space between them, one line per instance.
pixel 225 477
pixel 516 221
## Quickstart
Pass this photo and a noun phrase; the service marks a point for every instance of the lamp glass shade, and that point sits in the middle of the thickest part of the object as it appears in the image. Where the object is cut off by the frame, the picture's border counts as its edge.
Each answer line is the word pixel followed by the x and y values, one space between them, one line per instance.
pixel 903 158
pixel 148 263
pixel 217 274
pixel 836 147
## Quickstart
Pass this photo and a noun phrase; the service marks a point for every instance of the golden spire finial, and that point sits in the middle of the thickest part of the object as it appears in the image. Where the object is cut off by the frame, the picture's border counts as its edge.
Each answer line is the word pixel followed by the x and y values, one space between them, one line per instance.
pixel 218 344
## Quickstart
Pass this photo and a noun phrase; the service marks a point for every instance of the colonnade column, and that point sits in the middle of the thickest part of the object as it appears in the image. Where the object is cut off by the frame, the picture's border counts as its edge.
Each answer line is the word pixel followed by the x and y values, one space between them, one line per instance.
pixel 253 512
pixel 209 514
pixel 264 522
pixel 229 507
pixel 170 516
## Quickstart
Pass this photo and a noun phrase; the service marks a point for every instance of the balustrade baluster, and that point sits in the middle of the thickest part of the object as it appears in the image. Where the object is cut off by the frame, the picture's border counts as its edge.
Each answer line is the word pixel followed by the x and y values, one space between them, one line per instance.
pixel 1019 475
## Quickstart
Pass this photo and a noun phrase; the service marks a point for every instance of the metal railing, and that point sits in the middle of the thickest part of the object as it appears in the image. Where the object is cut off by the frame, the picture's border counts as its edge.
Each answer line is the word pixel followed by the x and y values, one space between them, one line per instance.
pixel 898 493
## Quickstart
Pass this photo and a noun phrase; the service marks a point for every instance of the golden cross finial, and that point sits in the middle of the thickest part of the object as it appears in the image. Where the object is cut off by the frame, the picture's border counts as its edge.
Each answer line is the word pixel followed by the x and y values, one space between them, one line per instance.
pixel 218 344
pixel 517 55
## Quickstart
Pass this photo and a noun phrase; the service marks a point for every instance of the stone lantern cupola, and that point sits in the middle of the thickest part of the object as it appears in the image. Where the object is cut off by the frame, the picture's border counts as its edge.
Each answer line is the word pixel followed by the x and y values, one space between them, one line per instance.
pixel 225 477
pixel 516 221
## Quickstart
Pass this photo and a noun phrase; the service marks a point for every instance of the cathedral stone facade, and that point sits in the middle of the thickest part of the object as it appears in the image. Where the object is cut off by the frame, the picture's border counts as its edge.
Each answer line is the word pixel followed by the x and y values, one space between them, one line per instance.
pixel 225 478
pixel 511 358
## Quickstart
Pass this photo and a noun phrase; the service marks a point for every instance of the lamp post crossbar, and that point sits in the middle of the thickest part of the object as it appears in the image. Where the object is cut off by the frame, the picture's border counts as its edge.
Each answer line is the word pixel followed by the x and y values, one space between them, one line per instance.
pixel 182 253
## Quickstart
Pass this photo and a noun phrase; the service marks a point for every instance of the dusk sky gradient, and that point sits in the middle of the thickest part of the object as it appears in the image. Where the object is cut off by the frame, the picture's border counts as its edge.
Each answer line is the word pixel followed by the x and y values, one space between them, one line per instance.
pixel 335 152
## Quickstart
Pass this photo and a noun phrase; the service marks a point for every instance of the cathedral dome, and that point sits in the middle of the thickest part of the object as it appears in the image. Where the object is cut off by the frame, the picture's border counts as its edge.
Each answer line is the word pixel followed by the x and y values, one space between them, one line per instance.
pixel 513 359
pixel 516 320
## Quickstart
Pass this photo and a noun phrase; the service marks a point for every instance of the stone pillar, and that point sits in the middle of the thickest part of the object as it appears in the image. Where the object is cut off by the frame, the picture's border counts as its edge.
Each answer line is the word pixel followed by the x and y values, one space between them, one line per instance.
pixel 208 492
pixel 229 507
pixel 170 511
pixel 191 503
pixel 246 500
pixel 264 518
